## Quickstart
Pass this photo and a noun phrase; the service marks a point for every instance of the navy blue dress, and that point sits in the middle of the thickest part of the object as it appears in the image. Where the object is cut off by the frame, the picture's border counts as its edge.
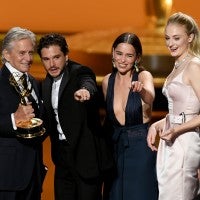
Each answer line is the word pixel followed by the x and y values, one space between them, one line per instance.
pixel 136 174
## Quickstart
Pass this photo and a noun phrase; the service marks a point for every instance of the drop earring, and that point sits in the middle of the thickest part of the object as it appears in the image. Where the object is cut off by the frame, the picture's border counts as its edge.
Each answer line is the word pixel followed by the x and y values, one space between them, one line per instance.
pixel 113 62
pixel 136 67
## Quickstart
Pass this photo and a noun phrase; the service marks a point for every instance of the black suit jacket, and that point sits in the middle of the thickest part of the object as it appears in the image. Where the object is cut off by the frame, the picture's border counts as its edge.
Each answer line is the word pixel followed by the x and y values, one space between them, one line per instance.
pixel 17 157
pixel 79 121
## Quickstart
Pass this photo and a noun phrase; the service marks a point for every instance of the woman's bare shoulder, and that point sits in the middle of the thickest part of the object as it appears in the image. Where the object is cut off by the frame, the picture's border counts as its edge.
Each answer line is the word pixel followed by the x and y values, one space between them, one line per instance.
pixel 193 65
pixel 145 75
pixel 105 78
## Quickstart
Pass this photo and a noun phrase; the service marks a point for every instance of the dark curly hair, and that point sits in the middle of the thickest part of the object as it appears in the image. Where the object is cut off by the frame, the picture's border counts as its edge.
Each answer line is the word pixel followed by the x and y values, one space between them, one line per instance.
pixel 52 39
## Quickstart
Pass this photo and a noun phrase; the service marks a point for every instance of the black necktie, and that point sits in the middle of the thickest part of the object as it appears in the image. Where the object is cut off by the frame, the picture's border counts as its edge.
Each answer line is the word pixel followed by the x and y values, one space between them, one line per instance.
pixel 29 96
pixel 23 81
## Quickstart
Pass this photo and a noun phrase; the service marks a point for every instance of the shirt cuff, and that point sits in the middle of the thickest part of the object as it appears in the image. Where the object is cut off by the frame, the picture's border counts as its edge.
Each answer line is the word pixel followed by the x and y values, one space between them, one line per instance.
pixel 13 121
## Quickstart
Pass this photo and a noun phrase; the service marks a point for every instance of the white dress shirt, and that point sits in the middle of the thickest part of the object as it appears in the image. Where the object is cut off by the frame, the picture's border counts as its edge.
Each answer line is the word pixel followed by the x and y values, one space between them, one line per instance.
pixel 54 101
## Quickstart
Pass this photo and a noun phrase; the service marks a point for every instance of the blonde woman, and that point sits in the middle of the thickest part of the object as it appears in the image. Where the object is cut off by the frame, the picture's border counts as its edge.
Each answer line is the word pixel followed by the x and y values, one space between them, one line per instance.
pixel 178 156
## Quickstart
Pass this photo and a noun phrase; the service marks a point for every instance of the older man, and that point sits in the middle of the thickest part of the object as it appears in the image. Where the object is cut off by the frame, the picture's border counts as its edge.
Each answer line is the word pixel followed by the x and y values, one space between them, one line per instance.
pixel 20 159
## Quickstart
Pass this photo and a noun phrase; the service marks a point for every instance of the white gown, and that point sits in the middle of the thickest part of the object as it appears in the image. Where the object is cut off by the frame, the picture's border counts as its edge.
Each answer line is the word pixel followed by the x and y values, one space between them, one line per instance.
pixel 177 163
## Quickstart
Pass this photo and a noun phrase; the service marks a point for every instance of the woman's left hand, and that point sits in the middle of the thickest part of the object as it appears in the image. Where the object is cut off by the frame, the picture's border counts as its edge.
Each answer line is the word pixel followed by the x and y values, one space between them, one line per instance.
pixel 169 135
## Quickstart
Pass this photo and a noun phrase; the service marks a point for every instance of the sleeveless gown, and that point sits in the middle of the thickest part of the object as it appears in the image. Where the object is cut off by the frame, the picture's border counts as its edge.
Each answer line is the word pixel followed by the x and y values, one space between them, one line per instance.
pixel 177 163
pixel 136 173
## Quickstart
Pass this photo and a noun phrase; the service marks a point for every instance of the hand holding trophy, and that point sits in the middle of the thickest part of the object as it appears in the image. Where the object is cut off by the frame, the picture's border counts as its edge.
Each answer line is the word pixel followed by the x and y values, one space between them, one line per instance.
pixel 27 128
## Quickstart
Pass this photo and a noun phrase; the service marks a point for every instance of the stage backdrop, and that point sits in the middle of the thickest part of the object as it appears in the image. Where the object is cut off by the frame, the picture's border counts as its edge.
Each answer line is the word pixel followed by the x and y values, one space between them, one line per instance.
pixel 82 15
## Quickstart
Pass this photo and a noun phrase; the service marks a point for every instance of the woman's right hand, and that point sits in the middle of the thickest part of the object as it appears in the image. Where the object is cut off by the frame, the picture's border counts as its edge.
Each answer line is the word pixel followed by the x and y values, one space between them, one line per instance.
pixel 151 137
pixel 154 130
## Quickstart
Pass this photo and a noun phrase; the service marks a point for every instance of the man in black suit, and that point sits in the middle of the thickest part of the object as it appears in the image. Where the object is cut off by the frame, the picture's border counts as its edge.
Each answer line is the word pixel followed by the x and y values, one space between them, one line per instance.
pixel 20 159
pixel 69 92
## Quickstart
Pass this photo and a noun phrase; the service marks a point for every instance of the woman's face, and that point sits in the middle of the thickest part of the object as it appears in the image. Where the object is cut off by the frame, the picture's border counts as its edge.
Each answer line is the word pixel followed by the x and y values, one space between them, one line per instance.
pixel 177 40
pixel 124 56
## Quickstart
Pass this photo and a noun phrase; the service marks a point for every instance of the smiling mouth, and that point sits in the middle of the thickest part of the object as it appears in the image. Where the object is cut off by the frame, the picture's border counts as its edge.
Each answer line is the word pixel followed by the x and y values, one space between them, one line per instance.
pixel 122 65
pixel 173 49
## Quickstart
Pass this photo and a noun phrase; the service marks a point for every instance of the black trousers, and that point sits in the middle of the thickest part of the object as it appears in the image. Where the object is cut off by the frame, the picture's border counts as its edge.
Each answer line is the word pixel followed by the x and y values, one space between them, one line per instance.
pixel 32 192
pixel 34 188
pixel 68 184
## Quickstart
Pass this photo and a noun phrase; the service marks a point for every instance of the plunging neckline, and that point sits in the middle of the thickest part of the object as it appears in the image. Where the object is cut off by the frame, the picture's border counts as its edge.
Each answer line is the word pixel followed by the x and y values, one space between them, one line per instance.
pixel 133 109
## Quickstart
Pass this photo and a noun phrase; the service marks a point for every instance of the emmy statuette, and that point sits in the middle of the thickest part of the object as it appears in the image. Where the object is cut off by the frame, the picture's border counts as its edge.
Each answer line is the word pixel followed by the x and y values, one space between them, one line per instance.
pixel 34 127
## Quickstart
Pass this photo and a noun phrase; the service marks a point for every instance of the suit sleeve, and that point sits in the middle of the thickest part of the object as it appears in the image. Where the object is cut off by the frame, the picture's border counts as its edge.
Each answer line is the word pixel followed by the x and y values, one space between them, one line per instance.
pixel 6 126
pixel 87 80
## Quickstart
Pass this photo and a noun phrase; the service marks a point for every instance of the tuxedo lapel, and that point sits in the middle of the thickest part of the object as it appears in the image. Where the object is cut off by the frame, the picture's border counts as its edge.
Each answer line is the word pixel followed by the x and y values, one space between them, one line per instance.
pixel 46 90
pixel 5 73
pixel 68 70
pixel 34 85
pixel 64 82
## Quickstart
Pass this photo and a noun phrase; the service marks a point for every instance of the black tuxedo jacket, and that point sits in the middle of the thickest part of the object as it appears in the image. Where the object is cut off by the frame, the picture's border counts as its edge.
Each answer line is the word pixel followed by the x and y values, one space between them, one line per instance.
pixel 17 157
pixel 79 120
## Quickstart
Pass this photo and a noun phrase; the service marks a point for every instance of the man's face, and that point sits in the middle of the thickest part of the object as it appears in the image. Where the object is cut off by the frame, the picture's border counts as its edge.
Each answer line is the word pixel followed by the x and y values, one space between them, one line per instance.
pixel 53 60
pixel 20 56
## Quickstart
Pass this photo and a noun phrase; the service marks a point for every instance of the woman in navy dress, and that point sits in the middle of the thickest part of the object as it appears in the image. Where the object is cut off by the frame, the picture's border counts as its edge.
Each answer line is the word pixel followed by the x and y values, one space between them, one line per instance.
pixel 129 94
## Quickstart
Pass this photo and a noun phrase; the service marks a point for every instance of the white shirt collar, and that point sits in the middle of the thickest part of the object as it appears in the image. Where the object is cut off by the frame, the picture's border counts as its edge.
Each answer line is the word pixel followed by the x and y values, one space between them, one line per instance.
pixel 58 78
pixel 16 73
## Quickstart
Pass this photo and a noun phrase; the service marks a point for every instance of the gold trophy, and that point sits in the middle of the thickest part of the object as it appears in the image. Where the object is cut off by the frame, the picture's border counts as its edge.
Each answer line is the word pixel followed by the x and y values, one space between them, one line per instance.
pixel 34 127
